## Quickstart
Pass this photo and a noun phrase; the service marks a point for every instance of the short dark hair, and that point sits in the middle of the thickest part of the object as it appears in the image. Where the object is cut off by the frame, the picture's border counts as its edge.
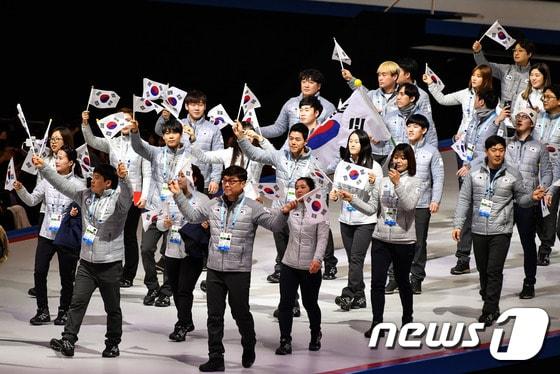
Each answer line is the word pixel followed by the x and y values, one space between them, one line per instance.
pixel 195 96
pixel 489 97
pixel 300 127
pixel 494 140
pixel 312 74
pixel 310 182
pixel 555 88
pixel 173 126
pixel 235 171
pixel 408 153
pixel 409 65
pixel 411 91
pixel 527 45
pixel 420 120
pixel 313 102
pixel 108 172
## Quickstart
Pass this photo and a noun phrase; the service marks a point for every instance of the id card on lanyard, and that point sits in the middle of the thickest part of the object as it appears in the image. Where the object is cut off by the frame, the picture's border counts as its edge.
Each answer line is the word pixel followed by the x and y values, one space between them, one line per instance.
pixel 54 222
pixel 224 242
pixel 486 203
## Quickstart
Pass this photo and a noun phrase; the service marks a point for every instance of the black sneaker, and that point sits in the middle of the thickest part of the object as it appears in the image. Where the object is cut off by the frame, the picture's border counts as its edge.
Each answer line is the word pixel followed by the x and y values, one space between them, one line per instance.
pixel 461 268
pixel 330 273
pixel 528 291
pixel 315 343
pixel 543 259
pixel 367 334
pixel 111 350
pixel 391 287
pixel 61 318
pixel 344 302
pixel 203 286
pixel 248 357
pixel 31 292
pixel 274 277
pixel 125 283
pixel 489 318
pixel 359 302
pixel 285 347
pixel 162 301
pixel 150 298
pixel 213 364
pixel 64 346
pixel 180 332
pixel 416 286
pixel 160 265
pixel 296 312
pixel 41 318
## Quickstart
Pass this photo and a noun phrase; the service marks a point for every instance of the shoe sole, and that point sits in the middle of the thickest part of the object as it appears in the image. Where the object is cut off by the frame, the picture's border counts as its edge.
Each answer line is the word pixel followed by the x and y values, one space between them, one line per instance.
pixel 390 292
pixel 110 355
pixel 460 272
pixel 58 348
pixel 40 323
pixel 162 305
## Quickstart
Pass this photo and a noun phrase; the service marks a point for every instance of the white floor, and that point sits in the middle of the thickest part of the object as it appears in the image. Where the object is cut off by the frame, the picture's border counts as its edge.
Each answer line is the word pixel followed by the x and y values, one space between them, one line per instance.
pixel 146 349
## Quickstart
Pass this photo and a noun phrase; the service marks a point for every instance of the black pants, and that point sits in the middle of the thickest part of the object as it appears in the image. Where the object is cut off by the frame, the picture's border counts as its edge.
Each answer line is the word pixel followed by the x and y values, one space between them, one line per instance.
pixel 422 222
pixel 281 242
pixel 234 285
pixel 67 261
pixel 90 276
pixel 546 227
pixel 526 222
pixel 148 249
pixel 183 274
pixel 356 240
pixel 490 252
pixel 290 280
pixel 401 255
pixel 131 254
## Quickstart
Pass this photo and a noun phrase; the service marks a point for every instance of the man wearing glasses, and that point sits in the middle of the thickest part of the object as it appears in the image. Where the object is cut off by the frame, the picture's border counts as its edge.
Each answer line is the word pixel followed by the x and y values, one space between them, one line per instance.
pixel 233 219
pixel 547 130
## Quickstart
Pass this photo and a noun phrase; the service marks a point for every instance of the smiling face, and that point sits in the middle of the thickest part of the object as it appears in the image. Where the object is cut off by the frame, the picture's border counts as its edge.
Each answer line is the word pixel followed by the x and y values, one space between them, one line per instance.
pixel 301 188
pixel 415 132
pixel 232 186
pixel 536 78
pixel 400 162
pixel 62 164
pixel 520 55
pixel 172 139
pixel 196 109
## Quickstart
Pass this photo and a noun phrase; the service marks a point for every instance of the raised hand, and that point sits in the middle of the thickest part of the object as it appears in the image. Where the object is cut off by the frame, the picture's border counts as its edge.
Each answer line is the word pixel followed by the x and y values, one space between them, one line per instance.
pixel 122 172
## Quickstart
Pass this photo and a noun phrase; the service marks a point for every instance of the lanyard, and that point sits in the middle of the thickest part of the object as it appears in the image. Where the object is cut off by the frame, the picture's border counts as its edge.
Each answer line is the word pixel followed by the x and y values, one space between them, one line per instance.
pixel 236 212
pixel 491 183
pixel 93 208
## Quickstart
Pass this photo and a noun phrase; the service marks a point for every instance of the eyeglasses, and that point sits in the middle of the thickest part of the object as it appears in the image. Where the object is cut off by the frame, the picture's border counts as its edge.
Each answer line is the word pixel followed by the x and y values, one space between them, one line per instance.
pixel 548 97
pixel 55 139
pixel 231 182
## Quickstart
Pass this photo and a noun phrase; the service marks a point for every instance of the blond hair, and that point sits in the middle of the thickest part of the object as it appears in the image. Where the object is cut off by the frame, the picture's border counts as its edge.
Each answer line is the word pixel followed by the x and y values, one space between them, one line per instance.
pixel 388 67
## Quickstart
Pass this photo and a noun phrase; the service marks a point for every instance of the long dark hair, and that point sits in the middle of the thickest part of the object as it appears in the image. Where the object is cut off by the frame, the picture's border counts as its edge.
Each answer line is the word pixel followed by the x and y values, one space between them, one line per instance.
pixel 408 153
pixel 364 158
pixel 237 150
pixel 66 137
pixel 72 156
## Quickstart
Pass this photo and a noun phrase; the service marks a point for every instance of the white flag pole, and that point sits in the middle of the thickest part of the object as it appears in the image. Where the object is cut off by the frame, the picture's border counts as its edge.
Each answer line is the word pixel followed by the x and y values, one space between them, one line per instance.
pixel 45 137
pixel 90 93
pixel 240 103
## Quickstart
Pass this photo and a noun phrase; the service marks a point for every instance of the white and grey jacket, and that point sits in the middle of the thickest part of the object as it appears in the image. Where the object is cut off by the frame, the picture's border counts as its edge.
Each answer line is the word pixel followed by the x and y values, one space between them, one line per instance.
pixel 403 198
pixel 208 138
pixel 307 242
pixel 547 131
pixel 506 186
pixel 165 163
pixel 175 247
pixel 119 149
pixel 224 157
pixel 289 116
pixel 55 202
pixel 288 170
pixel 107 213
pixel 477 132
pixel 465 98
pixel 530 158
pixel 241 219
pixel 513 78
pixel 430 172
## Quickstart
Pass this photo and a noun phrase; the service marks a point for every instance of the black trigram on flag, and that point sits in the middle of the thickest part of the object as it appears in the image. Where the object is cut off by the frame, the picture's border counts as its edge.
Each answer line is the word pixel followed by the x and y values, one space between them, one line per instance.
pixel 356 123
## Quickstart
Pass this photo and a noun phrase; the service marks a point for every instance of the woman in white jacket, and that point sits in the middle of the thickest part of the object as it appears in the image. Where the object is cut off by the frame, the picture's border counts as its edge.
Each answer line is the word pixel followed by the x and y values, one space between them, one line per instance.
pixel 481 79
pixel 55 206
pixel 356 228
pixel 539 77
pixel 233 156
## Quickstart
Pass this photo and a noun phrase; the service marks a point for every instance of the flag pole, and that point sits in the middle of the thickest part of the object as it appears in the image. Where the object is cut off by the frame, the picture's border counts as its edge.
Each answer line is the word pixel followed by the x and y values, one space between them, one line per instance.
pixel 90 93
pixel 338 50
pixel 45 137
pixel 240 103
pixel 325 174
